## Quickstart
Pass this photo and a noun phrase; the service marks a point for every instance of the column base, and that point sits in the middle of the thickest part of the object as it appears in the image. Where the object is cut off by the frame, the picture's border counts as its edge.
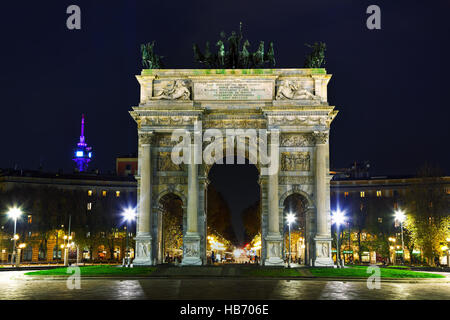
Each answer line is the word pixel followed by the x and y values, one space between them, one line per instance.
pixel 143 251
pixel 273 251
pixel 322 256
pixel 191 250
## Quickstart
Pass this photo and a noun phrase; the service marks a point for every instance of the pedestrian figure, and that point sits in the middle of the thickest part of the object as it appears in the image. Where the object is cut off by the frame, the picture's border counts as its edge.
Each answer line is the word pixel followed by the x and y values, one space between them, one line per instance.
pixel 213 258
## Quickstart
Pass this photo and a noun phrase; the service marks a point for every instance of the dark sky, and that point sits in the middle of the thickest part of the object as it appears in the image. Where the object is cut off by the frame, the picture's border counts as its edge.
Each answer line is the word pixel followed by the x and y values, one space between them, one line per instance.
pixel 390 85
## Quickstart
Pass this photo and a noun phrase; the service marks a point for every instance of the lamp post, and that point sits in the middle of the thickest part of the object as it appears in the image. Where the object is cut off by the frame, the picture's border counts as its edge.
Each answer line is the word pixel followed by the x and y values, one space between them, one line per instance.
pixel 400 216
pixel 290 218
pixel 338 217
pixel 14 213
pixel 128 215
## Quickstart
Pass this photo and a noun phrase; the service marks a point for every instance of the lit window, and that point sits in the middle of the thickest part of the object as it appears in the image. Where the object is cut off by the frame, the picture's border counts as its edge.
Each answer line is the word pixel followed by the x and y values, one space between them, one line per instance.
pixel 346 194
pixel 90 193
pixel 89 205
pixel 380 220
pixel 117 194
pixel 104 193
pixel 379 193
pixel 363 194
pixel 30 219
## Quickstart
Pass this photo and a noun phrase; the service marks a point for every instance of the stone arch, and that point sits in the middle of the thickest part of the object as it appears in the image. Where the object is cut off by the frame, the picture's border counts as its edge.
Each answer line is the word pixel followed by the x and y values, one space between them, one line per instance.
pixel 164 198
pixel 300 192
pixel 246 149
pixel 174 191
pixel 303 226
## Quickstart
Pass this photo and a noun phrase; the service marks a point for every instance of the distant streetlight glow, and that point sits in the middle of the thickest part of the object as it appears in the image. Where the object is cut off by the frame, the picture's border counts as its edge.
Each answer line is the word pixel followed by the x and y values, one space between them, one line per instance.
pixel 338 217
pixel 400 216
pixel 14 213
pixel 290 218
pixel 129 214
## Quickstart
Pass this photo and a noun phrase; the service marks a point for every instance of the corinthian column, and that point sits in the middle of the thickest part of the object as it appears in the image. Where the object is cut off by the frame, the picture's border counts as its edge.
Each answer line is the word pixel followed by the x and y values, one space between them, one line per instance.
pixel 191 240
pixel 273 238
pixel 144 223
pixel 323 235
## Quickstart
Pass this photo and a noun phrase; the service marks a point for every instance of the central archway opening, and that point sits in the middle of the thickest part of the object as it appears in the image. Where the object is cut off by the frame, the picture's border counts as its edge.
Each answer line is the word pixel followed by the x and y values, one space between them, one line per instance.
pixel 296 205
pixel 233 212
pixel 170 220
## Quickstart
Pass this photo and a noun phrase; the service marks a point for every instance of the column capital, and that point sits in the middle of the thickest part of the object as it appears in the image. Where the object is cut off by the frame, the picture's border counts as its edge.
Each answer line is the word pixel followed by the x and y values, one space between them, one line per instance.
pixel 146 138
pixel 320 137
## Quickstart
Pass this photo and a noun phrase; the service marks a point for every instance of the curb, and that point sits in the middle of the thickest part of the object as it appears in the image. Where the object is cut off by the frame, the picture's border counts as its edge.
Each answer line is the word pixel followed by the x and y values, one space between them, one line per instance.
pixel 187 277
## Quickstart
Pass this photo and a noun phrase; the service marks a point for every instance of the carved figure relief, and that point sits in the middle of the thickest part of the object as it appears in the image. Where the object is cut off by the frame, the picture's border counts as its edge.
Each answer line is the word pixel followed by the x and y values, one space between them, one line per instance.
pixel 295 161
pixel 174 90
pixel 300 140
pixel 143 250
pixel 323 250
pixel 191 249
pixel 291 90
pixel 274 249
pixel 165 163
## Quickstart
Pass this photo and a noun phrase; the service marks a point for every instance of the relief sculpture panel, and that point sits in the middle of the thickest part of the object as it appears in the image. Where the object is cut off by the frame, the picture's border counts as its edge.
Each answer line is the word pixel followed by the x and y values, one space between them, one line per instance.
pixel 295 161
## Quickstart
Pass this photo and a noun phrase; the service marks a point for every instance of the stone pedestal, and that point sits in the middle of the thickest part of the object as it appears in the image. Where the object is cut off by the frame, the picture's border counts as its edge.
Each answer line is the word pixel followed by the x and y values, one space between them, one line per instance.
pixel 273 257
pixel 143 250
pixel 323 252
pixel 191 252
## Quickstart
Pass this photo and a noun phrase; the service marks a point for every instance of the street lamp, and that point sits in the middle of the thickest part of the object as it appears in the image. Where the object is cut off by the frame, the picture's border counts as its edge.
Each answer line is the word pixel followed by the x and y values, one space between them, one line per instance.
pixel 14 213
pixel 290 218
pixel 338 217
pixel 400 216
pixel 128 215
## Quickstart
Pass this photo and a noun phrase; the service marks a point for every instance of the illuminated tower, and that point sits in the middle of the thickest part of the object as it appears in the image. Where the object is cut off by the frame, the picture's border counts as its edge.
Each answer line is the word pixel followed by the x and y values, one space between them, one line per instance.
pixel 83 153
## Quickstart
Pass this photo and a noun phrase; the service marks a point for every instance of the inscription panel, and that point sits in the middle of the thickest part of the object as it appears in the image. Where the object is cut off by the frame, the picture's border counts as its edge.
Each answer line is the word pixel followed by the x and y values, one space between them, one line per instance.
pixel 234 90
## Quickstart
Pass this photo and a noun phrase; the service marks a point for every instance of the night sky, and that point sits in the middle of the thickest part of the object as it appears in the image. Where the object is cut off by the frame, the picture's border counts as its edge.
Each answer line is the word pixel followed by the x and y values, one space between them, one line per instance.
pixel 390 85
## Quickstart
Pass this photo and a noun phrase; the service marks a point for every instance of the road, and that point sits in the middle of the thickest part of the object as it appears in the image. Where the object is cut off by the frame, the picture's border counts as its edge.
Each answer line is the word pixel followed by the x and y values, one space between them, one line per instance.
pixel 16 286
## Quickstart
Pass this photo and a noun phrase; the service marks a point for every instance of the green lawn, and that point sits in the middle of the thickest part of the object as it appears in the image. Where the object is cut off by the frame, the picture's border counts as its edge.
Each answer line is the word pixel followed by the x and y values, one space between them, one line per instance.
pixel 96 271
pixel 361 271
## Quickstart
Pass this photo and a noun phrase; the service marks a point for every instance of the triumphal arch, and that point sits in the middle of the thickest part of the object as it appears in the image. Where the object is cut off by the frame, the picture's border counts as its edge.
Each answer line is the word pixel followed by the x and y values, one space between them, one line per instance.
pixel 289 105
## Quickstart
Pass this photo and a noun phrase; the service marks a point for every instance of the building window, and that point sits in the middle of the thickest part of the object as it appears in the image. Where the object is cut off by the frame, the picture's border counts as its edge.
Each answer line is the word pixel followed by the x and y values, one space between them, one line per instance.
pixel 380 220
pixel 89 206
pixel 346 194
pixel 363 194
pixel 104 193
pixel 117 194
pixel 30 219
pixel 89 193
pixel 379 193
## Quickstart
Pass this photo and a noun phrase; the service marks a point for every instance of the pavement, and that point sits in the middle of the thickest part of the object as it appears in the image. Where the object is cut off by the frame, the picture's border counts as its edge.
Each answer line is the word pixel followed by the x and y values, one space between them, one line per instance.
pixel 16 286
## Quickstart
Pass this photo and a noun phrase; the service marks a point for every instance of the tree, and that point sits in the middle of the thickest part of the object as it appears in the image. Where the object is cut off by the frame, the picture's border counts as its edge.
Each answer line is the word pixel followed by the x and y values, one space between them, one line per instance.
pixel 251 217
pixel 219 215
pixel 427 210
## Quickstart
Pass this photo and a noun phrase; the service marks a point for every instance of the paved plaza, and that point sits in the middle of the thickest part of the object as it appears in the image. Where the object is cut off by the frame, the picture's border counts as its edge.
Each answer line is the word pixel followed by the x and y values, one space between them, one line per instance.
pixel 17 286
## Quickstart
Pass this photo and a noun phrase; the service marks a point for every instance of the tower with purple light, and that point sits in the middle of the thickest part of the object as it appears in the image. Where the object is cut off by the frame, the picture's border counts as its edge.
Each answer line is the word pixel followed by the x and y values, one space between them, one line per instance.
pixel 83 153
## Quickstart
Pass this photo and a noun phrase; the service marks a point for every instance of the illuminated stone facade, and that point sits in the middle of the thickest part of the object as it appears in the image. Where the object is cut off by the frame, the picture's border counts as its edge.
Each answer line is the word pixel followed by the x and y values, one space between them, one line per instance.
pixel 291 103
